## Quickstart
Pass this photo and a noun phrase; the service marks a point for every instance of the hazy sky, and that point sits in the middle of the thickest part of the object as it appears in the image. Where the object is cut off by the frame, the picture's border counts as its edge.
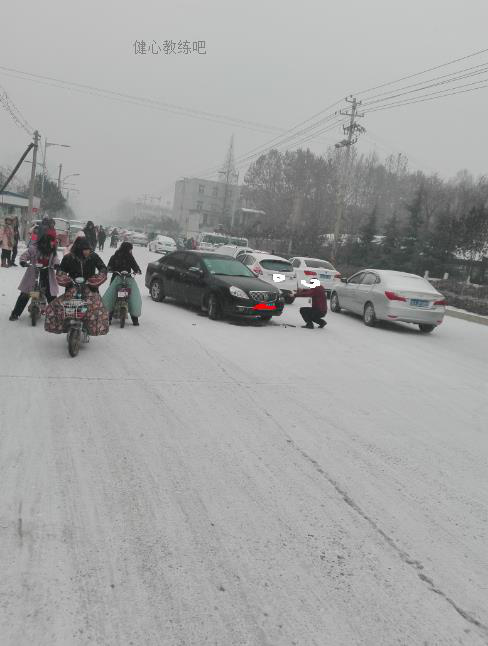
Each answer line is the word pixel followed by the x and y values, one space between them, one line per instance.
pixel 270 61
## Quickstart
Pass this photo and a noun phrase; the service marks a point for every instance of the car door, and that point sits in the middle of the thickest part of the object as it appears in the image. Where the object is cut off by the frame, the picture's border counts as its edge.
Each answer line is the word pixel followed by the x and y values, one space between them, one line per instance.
pixel 363 291
pixel 192 280
pixel 171 273
pixel 348 292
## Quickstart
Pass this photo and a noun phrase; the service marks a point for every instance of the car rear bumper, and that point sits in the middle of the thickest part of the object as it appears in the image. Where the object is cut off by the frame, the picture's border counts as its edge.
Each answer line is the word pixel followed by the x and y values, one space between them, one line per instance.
pixel 415 315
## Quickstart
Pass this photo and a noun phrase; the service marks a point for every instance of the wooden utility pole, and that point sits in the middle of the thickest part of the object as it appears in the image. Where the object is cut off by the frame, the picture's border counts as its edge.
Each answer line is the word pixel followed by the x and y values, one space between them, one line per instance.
pixel 352 130
pixel 30 212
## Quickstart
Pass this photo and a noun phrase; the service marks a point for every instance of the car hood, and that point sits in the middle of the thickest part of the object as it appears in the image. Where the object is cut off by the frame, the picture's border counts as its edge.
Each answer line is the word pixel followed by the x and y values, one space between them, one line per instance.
pixel 247 283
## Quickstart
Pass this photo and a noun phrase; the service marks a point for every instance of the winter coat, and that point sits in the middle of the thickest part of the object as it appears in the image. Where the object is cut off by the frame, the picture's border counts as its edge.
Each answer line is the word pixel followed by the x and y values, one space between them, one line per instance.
pixel 91 236
pixel 319 299
pixel 7 237
pixel 118 262
pixel 102 236
pixel 82 267
pixel 31 254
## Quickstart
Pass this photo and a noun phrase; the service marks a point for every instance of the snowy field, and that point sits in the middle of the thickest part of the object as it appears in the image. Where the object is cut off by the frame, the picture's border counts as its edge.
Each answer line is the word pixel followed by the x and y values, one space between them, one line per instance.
pixel 192 482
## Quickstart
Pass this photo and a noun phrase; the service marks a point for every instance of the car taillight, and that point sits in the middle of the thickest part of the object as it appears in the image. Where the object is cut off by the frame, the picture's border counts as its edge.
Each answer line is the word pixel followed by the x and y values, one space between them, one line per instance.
pixel 391 296
pixel 257 270
pixel 310 273
pixel 441 302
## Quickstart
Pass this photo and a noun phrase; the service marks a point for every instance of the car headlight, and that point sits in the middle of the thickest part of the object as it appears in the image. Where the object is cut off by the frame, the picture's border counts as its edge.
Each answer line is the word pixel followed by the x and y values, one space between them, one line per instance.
pixel 238 292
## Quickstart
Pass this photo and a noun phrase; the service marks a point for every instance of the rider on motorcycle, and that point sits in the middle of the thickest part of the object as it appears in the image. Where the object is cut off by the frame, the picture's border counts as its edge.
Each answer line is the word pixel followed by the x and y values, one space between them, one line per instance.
pixel 43 252
pixel 81 262
pixel 123 260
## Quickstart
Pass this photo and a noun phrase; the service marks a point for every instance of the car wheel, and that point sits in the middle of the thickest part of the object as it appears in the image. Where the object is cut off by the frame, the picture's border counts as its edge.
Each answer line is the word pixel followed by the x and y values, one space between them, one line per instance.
pixel 156 291
pixel 334 303
pixel 369 315
pixel 426 328
pixel 214 308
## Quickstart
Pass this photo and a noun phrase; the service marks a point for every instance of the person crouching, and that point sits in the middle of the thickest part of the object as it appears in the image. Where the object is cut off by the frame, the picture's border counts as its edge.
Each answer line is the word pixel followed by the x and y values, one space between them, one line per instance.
pixel 318 310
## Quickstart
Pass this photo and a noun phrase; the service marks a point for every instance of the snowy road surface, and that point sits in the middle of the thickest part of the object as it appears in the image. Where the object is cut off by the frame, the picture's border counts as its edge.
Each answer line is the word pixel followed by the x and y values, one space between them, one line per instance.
pixel 191 482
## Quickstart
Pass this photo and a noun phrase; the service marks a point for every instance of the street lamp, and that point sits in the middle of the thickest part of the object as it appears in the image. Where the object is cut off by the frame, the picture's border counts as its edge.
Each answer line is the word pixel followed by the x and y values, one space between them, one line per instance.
pixel 62 181
pixel 46 146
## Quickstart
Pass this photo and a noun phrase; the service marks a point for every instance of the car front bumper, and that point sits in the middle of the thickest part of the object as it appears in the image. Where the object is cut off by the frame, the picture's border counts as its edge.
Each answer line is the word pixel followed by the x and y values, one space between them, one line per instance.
pixel 250 309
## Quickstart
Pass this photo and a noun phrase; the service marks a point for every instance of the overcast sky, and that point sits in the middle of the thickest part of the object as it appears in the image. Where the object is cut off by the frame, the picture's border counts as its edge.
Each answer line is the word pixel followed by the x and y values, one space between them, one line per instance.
pixel 275 62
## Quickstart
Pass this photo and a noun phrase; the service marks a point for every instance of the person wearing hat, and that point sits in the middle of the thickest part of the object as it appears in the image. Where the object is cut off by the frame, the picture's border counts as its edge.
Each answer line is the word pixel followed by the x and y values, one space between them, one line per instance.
pixel 7 236
pixel 81 262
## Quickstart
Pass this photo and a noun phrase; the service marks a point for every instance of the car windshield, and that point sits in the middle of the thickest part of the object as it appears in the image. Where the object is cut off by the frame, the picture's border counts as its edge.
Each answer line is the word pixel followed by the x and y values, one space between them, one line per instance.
pixel 226 267
pixel 276 265
pixel 318 264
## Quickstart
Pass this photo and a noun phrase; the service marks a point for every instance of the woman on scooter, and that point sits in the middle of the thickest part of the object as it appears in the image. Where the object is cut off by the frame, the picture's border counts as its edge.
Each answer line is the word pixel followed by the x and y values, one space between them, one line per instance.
pixel 43 252
pixel 123 260
pixel 81 262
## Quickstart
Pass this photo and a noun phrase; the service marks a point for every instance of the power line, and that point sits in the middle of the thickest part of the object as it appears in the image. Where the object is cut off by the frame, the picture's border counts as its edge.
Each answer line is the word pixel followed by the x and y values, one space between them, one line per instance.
pixel 433 97
pixel 14 112
pixel 429 69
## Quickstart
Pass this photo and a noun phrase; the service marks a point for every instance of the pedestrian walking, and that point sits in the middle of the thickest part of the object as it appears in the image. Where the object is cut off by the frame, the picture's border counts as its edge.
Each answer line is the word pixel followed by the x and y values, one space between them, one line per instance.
pixel 7 241
pixel 16 241
pixel 102 236
pixel 114 238
pixel 318 310
pixel 91 234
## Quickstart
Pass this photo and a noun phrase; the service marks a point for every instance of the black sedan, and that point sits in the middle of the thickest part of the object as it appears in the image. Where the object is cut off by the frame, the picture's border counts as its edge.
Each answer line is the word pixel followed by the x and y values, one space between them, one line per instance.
pixel 216 283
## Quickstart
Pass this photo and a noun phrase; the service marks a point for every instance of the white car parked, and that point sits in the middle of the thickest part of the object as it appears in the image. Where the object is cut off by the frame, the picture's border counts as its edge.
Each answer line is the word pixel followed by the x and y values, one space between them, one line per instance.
pixel 233 250
pixel 383 295
pixel 162 244
pixel 308 269
pixel 274 270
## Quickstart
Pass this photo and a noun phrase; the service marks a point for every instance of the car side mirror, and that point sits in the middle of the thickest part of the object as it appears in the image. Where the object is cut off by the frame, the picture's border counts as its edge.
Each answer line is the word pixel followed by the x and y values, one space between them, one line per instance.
pixel 343 280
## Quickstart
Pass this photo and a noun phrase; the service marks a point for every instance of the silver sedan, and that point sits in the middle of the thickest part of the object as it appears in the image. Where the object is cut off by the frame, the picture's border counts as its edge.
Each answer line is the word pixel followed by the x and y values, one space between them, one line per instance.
pixel 383 295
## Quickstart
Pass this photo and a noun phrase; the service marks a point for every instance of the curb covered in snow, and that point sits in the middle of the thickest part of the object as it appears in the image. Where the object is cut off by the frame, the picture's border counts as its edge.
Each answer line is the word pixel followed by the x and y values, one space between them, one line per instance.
pixel 467 316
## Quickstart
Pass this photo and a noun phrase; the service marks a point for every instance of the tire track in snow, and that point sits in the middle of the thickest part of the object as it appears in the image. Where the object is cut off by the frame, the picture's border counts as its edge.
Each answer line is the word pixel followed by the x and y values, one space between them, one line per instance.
pixel 404 556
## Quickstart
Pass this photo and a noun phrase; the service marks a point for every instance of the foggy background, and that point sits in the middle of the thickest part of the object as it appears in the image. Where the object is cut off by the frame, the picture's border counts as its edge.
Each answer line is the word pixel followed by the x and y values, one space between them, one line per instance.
pixel 270 62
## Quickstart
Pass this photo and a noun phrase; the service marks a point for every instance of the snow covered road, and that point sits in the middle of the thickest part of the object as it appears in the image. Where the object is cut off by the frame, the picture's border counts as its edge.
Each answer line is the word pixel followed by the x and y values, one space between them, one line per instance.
pixel 192 482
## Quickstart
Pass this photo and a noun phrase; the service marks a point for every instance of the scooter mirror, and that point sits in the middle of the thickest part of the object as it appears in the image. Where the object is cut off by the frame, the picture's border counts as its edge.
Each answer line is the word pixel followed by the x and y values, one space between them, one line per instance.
pixel 79 280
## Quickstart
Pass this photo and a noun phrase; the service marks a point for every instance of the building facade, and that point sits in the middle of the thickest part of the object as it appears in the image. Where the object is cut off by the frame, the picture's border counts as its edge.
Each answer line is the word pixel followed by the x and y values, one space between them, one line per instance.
pixel 204 205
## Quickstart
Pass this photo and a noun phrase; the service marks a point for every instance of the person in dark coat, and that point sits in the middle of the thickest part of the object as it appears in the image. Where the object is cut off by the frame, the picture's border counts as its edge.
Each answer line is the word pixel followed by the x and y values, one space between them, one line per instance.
pixel 81 262
pixel 317 312
pixel 102 236
pixel 114 238
pixel 91 234
pixel 123 260
pixel 16 241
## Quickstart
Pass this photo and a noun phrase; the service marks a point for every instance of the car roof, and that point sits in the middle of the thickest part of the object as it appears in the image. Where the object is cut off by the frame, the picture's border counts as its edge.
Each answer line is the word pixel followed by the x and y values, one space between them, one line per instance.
pixel 310 258
pixel 262 255
pixel 391 272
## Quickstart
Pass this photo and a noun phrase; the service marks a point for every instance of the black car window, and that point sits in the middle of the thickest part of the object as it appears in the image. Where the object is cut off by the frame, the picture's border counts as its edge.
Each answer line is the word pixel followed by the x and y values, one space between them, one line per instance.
pixel 356 279
pixel 189 260
pixel 226 267
pixel 369 279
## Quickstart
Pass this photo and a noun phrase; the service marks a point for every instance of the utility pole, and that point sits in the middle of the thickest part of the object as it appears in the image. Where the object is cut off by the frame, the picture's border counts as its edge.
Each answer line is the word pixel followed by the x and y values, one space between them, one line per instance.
pixel 59 176
pixel 353 130
pixel 30 212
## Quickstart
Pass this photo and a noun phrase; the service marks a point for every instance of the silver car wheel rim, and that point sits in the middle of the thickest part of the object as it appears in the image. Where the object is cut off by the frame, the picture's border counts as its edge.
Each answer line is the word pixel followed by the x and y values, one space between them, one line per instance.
pixel 369 313
pixel 155 290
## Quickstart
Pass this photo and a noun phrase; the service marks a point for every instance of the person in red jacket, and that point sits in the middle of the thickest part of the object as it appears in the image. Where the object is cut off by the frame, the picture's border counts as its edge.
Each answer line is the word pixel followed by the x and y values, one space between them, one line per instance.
pixel 317 312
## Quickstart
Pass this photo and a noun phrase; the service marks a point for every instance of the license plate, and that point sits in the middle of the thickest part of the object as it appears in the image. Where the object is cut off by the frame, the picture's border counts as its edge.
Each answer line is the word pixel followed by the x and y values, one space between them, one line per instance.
pixel 325 276
pixel 419 303
pixel 122 294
